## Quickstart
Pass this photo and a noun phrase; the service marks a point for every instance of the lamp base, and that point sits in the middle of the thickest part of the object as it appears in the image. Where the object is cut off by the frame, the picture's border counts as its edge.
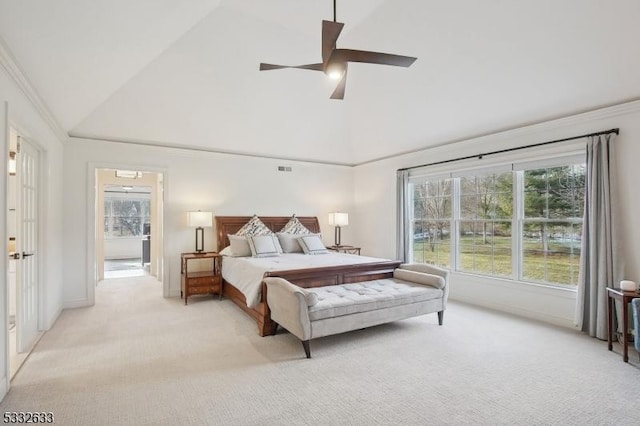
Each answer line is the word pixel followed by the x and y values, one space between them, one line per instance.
pixel 337 236
pixel 199 239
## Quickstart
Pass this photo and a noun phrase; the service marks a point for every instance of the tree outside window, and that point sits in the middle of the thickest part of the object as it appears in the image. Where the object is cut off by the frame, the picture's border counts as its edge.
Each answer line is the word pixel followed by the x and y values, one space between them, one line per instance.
pixel 432 222
pixel 480 208
pixel 125 217
pixel 552 225
pixel 486 211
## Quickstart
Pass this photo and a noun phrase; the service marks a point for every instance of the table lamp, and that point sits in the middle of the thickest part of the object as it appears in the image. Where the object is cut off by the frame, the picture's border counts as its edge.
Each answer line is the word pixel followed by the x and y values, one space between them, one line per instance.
pixel 338 220
pixel 200 220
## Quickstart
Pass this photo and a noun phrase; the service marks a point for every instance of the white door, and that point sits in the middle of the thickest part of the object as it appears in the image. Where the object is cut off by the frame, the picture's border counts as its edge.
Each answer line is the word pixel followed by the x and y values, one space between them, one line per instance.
pixel 27 245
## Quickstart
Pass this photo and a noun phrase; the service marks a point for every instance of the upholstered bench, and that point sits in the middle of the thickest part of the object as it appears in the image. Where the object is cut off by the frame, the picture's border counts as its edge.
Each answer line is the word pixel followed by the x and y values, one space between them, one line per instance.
pixel 307 313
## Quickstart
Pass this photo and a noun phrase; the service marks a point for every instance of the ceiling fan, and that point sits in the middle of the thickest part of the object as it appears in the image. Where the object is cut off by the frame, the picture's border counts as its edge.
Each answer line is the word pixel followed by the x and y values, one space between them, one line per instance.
pixel 334 61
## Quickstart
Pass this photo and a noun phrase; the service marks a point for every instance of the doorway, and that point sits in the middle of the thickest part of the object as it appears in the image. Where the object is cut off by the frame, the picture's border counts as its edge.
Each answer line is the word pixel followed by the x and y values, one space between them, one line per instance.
pixel 23 221
pixel 127 231
pixel 129 206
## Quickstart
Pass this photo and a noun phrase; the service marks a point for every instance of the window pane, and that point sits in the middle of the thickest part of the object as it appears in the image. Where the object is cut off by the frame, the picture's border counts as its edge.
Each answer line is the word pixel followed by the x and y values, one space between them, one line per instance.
pixel 487 196
pixel 432 200
pixel 431 242
pixel 469 206
pixel 125 216
pixel 485 247
pixel 552 252
pixel 556 192
pixel 554 196
pixel 431 222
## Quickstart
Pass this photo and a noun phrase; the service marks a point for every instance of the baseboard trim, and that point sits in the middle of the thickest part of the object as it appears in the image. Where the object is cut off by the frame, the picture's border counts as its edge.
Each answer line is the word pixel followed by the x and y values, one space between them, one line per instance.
pixel 520 312
pixel 4 387
pixel 81 303
pixel 53 319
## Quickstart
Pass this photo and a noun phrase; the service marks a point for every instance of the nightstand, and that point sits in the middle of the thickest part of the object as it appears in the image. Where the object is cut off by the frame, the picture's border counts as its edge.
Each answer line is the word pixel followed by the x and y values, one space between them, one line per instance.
pixel 203 281
pixel 345 249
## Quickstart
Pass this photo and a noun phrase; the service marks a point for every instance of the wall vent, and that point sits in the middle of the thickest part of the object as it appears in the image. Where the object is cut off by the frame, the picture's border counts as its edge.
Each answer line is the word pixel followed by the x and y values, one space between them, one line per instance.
pixel 284 169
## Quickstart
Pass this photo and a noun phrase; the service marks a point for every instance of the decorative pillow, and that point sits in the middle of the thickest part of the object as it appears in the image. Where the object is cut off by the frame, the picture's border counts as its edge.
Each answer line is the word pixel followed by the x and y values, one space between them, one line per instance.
pixel 419 277
pixel 289 243
pixel 254 227
pixel 226 251
pixel 312 244
pixel 264 245
pixel 239 246
pixel 295 227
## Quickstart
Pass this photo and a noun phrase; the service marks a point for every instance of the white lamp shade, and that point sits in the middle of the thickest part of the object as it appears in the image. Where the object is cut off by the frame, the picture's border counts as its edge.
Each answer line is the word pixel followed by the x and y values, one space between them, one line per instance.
pixel 200 219
pixel 338 219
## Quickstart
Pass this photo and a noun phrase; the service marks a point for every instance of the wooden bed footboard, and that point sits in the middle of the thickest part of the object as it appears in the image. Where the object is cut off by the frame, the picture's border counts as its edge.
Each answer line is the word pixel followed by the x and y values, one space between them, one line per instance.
pixel 307 278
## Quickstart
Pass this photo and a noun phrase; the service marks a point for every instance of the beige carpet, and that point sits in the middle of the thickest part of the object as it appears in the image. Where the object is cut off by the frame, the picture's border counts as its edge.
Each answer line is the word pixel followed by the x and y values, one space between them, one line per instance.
pixel 138 359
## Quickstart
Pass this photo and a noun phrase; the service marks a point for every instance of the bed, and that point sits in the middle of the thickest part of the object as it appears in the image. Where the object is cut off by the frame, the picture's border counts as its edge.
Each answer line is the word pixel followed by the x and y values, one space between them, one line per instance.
pixel 302 270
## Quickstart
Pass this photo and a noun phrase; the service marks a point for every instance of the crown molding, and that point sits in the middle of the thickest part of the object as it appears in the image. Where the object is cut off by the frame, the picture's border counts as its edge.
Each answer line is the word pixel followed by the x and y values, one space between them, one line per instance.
pixel 166 145
pixel 530 130
pixel 9 63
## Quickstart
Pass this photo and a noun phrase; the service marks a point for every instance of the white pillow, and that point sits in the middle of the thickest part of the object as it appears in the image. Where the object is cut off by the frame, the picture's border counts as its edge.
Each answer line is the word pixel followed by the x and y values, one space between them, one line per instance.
pixel 226 251
pixel 264 245
pixel 289 243
pixel 239 246
pixel 419 277
pixel 312 244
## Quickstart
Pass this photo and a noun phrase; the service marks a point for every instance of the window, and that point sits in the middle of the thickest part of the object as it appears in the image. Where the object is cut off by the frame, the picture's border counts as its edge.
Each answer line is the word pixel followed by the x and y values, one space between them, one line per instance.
pixel 432 222
pixel 484 225
pixel 125 217
pixel 523 223
pixel 552 223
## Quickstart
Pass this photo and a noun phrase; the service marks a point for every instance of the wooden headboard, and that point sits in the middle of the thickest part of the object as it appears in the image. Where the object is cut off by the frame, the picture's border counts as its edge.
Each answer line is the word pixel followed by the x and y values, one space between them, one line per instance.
pixel 231 224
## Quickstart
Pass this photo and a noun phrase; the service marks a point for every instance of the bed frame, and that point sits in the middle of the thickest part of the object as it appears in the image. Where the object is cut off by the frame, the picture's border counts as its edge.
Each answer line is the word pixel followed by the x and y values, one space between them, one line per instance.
pixel 310 277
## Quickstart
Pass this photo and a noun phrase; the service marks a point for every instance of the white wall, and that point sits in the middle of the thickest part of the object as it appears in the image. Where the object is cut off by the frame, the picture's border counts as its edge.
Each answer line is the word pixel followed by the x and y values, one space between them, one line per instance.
pixel 22 114
pixel 123 248
pixel 224 184
pixel 375 201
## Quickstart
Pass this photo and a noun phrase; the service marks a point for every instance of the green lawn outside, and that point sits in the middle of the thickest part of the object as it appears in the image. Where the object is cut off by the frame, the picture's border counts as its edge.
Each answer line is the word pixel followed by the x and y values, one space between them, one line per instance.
pixel 558 265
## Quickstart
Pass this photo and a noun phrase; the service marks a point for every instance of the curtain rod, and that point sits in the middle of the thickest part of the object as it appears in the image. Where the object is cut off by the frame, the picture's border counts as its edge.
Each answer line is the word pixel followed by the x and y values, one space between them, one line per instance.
pixel 479 156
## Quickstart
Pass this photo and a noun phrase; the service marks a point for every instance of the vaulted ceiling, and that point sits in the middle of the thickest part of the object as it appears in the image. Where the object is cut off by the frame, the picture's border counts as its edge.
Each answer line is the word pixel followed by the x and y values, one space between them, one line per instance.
pixel 185 73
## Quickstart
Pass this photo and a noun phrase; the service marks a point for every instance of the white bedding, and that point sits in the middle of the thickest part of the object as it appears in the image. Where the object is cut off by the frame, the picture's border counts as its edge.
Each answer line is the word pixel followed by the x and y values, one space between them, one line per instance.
pixel 246 273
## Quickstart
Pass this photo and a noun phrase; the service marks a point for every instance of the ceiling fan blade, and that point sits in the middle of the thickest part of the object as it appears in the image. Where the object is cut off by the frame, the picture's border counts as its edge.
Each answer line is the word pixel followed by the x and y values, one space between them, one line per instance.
pixel 330 32
pixel 313 67
pixel 349 55
pixel 267 67
pixel 338 93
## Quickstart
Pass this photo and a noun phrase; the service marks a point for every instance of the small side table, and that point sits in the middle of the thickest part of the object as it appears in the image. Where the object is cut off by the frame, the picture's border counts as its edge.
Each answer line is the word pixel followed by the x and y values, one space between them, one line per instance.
pixel 345 249
pixel 625 297
pixel 200 282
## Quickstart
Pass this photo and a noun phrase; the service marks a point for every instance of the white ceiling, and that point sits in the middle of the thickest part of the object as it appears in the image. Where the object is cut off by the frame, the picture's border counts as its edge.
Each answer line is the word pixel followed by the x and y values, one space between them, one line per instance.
pixel 185 73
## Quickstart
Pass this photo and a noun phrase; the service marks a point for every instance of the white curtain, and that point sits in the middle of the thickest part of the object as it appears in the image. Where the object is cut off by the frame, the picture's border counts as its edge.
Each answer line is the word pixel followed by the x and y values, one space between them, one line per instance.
pixel 402 216
pixel 600 263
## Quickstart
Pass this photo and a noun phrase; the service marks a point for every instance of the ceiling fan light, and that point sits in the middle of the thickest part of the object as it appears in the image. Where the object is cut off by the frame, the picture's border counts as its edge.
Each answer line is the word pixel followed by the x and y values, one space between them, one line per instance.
pixel 335 72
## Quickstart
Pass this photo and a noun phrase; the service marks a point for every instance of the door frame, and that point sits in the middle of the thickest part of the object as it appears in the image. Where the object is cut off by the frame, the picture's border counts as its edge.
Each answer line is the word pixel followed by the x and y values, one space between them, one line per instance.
pixel 92 189
pixel 4 279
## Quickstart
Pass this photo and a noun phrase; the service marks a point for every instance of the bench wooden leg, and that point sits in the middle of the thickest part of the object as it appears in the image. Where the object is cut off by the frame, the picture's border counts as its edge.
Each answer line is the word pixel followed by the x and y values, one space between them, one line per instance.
pixel 440 317
pixel 307 349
